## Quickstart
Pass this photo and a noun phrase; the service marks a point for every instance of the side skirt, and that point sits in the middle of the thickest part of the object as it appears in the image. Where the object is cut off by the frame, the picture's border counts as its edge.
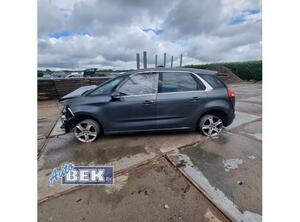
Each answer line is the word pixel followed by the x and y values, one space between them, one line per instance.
pixel 150 130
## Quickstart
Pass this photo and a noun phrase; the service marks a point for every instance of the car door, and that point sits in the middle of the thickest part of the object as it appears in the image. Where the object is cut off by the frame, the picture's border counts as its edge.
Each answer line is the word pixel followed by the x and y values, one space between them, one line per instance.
pixel 136 109
pixel 179 100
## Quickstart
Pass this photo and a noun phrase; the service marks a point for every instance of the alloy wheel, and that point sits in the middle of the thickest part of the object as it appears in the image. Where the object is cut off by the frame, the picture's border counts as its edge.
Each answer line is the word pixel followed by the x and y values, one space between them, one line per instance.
pixel 86 131
pixel 211 125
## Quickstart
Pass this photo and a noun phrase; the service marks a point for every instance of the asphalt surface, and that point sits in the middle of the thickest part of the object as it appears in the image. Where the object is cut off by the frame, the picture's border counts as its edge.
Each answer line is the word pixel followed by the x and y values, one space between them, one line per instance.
pixel 153 171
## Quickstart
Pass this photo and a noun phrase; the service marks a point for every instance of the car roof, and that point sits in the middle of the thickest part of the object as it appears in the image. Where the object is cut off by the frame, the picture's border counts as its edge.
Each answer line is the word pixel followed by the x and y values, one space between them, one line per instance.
pixel 162 69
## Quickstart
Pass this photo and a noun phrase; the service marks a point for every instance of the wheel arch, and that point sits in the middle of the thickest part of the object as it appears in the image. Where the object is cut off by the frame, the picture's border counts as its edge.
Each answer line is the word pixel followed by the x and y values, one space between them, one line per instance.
pixel 217 112
pixel 82 116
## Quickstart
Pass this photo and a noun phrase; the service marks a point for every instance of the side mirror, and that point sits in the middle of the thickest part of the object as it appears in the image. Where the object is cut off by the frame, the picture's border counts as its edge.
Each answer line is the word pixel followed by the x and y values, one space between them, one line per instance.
pixel 116 96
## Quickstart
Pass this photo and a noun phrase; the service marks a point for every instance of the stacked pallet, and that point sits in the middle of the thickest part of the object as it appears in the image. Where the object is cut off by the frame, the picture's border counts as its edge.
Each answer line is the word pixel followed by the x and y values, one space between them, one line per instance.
pixel 46 89
pixel 57 88
pixel 225 74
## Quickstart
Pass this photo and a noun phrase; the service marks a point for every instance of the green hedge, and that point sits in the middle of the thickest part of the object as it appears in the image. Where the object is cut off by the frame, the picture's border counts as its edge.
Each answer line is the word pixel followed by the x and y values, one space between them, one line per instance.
pixel 245 70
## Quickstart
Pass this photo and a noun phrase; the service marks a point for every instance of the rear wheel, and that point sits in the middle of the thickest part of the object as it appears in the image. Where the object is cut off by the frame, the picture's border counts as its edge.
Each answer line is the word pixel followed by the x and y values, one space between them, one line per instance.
pixel 211 125
pixel 87 131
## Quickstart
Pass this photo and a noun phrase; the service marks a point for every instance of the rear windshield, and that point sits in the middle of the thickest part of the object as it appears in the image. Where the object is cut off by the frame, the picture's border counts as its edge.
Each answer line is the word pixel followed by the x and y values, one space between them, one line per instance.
pixel 214 81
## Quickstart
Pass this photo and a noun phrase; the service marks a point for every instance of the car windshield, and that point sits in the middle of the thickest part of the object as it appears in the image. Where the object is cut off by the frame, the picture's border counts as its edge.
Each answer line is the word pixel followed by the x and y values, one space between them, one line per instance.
pixel 107 87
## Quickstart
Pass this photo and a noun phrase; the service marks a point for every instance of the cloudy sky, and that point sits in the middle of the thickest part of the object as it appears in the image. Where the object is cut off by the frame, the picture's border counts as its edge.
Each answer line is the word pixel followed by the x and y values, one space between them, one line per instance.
pixel 77 34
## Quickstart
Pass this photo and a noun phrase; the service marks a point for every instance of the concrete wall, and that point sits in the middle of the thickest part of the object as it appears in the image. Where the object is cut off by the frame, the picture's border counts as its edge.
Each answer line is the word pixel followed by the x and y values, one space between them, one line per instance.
pixel 57 88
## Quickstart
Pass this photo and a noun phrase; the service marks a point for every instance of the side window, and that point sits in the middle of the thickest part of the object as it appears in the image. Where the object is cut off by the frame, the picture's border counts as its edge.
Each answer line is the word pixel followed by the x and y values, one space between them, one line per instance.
pixel 139 84
pixel 177 82
pixel 213 81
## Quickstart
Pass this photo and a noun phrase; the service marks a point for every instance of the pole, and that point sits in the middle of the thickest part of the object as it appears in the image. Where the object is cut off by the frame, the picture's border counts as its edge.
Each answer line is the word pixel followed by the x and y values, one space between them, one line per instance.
pixel 155 61
pixel 145 60
pixel 137 61
pixel 171 61
pixel 165 59
pixel 180 60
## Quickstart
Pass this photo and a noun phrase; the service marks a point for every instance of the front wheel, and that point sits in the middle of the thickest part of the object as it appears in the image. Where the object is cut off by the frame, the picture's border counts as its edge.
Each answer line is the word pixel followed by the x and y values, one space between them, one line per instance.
pixel 87 131
pixel 211 125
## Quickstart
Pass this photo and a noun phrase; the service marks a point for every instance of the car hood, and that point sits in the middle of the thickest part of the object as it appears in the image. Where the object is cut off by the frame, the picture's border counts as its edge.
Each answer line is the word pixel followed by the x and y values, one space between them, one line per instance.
pixel 85 100
pixel 78 92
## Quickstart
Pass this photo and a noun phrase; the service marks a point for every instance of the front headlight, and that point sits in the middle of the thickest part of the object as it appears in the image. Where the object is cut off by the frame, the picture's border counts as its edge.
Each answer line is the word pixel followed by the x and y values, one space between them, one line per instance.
pixel 67 112
pixel 68 109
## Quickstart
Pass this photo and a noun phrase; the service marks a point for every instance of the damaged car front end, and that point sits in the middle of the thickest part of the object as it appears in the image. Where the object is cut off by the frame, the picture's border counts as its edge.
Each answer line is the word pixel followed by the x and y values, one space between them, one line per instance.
pixel 68 119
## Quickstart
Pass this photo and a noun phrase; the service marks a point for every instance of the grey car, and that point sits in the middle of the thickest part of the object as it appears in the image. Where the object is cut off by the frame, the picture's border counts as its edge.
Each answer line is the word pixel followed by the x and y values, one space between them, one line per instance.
pixel 150 100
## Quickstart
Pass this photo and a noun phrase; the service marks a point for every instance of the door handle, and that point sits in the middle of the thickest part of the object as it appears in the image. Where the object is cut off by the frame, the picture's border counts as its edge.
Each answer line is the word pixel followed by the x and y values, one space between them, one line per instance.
pixel 195 98
pixel 148 102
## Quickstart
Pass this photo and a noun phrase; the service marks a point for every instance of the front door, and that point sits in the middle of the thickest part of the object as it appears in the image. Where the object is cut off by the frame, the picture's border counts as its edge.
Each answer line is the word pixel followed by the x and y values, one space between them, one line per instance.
pixel 136 109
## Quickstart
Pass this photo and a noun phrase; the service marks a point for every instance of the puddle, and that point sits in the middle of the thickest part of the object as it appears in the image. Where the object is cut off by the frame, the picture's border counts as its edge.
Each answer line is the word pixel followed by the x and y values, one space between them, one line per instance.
pixel 253 129
pixel 215 193
pixel 218 164
pixel 242 118
pixel 67 149
pixel 231 164
pixel 248 107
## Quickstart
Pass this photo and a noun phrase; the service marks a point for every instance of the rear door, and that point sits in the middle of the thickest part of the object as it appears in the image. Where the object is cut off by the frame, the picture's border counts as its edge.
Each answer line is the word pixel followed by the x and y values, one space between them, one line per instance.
pixel 136 110
pixel 179 100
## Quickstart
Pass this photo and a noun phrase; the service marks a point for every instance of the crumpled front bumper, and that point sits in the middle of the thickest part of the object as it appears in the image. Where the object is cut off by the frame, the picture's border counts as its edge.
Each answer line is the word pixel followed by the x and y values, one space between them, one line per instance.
pixel 68 121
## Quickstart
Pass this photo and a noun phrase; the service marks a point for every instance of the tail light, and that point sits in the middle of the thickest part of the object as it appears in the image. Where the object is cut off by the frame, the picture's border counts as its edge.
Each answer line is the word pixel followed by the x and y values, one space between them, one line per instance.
pixel 231 94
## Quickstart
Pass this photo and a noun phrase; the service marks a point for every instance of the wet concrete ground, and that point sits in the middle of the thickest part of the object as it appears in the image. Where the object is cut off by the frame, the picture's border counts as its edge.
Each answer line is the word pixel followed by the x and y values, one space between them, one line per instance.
pixel 154 192
pixel 227 170
pixel 48 113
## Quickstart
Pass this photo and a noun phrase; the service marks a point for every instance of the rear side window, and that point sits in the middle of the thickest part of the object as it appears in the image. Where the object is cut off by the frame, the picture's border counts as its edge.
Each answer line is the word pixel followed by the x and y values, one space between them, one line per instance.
pixel 213 81
pixel 176 82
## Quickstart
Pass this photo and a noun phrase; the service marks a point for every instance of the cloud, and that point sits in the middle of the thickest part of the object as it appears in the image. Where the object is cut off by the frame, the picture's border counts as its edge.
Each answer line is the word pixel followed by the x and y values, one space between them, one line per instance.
pixel 50 19
pixel 192 17
pixel 108 34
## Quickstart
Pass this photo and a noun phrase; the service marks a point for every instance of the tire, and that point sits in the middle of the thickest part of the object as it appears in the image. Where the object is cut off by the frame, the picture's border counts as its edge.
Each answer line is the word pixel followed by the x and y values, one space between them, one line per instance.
pixel 211 125
pixel 87 131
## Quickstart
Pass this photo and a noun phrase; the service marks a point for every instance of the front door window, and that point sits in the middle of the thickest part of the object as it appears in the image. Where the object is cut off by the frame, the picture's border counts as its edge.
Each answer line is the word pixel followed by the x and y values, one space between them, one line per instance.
pixel 140 84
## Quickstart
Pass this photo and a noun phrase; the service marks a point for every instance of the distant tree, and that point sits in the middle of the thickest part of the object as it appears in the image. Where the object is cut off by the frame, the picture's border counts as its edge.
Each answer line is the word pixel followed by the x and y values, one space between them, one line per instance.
pixel 246 70
pixel 48 71
pixel 40 73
